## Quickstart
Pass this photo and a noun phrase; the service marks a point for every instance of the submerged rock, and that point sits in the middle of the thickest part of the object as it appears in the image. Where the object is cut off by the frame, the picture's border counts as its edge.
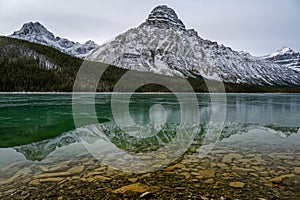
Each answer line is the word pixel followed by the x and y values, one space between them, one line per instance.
pixel 281 178
pixel 45 180
pixel 76 170
pixel 297 170
pixel 102 178
pixel 230 157
pixel 131 189
pixel 237 184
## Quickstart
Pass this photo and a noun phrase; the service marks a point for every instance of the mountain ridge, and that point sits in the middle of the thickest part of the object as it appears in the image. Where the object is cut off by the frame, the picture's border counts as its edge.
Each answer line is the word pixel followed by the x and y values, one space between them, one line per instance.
pixel 163 45
pixel 36 32
pixel 286 57
pixel 26 67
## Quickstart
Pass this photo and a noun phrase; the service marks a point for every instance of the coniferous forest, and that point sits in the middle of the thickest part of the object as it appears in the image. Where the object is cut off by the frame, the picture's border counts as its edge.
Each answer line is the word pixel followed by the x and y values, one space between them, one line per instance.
pixel 30 67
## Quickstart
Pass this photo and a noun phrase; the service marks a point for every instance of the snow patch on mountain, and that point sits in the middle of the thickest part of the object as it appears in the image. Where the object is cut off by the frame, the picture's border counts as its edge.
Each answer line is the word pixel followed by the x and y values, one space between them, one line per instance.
pixel 36 32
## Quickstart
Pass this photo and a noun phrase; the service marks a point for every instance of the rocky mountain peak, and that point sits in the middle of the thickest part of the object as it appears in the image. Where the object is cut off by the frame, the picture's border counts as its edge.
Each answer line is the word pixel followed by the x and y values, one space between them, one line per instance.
pixel 285 56
pixel 36 32
pixel 164 17
pixel 33 28
pixel 285 50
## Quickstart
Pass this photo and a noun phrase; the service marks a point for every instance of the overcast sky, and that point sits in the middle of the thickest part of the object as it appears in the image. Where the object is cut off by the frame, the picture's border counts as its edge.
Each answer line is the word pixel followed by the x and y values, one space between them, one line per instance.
pixel 257 26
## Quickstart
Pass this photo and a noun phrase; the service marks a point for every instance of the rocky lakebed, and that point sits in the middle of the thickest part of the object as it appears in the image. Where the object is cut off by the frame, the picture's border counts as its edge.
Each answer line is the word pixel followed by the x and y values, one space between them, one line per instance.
pixel 229 171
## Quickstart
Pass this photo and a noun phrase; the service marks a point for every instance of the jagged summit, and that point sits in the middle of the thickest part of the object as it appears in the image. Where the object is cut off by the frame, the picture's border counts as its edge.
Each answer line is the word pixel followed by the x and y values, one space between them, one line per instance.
pixel 37 33
pixel 284 50
pixel 285 56
pixel 164 17
pixel 33 28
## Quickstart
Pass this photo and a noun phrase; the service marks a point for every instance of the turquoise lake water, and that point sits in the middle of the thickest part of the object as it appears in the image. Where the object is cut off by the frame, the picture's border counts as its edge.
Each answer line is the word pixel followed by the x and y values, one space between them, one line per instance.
pixel 40 119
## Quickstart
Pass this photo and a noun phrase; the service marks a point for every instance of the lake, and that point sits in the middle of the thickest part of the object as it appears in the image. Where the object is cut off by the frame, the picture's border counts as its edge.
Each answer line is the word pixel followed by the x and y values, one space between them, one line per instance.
pixel 232 146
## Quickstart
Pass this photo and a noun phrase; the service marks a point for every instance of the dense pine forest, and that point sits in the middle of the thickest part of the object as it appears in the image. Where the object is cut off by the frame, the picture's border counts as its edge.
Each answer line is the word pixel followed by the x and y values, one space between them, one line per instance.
pixel 30 67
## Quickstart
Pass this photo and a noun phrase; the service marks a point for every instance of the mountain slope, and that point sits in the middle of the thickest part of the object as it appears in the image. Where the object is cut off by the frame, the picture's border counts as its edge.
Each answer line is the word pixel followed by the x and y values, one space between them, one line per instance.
pixel 26 66
pixel 35 32
pixel 163 45
pixel 31 67
pixel 286 57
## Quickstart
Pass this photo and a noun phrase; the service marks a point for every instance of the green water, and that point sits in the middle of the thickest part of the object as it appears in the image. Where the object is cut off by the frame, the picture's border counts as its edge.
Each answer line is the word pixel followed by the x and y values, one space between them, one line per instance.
pixel 27 118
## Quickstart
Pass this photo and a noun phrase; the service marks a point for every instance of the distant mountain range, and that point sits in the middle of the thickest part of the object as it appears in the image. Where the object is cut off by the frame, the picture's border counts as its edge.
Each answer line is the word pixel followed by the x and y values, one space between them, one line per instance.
pixel 163 45
pixel 286 57
pixel 30 67
pixel 36 32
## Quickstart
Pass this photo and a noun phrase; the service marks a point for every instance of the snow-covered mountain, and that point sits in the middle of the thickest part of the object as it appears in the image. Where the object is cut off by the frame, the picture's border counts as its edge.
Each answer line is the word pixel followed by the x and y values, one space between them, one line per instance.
pixel 163 45
pixel 35 32
pixel 286 57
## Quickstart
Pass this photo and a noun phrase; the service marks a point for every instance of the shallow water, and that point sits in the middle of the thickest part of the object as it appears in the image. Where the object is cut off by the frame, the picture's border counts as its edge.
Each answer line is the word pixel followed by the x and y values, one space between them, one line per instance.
pixel 260 134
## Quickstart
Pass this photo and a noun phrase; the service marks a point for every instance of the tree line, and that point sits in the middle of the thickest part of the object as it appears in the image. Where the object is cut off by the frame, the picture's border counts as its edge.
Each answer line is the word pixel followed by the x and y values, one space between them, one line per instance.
pixel 24 67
